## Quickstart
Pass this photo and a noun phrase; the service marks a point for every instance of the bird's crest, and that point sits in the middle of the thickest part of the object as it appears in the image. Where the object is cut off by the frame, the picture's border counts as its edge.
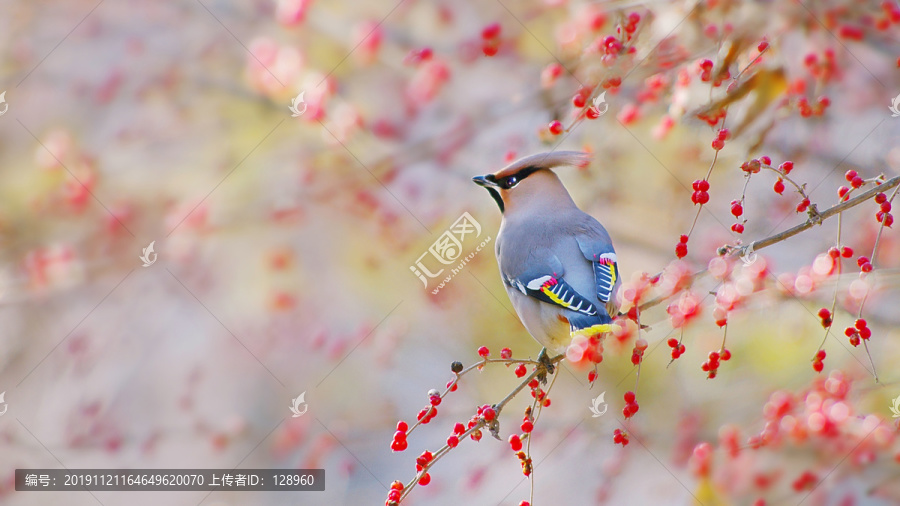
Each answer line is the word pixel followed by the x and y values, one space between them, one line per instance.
pixel 546 161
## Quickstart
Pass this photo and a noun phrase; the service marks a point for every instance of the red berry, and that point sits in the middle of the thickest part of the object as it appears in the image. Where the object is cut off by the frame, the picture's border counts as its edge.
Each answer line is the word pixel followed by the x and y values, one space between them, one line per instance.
pixel 490 48
pixel 737 210
pixel 683 239
pixel 702 197
pixel 703 185
pixel 779 186
pixel 824 313
pixel 399 446
pixel 762 46
pixel 860 323
pixel 857 182
pixel 515 442
pixel 459 428
pixel 425 479
pixel 846 252
pixel 521 370
pixel 850 174
pixel 491 31
pixel 888 220
pixel 672 342
pixel 629 397
pixel 402 426
pixel 880 198
pixel 803 205
pixel 717 144
pixel 725 355
pixel 592 376
pixel 818 366
pixel 886 207
pixel 834 252
pixel 592 113
pixel 842 192
pixel 820 355
pixel 489 413
pixel 681 250
pixel 527 426
pixel 862 260
pixel 723 134
pixel 753 166
pixel 854 339
pixel 765 160
pixel 579 100
pixel 505 353
pixel 400 435
pixel 865 332
pixel 556 127
pixel 452 441
pixel 706 64
pixel 866 267
pixel 484 352
pixel 786 167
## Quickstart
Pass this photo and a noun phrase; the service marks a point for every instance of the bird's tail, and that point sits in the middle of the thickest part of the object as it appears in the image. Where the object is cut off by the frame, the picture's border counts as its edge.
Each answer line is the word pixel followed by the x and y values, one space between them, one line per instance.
pixel 590 325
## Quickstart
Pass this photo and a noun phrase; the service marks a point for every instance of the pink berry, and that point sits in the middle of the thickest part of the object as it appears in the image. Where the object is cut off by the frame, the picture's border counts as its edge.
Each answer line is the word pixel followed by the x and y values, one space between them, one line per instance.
pixel 765 160
pixel 786 167
pixel 762 46
pixel 718 144
pixel 505 353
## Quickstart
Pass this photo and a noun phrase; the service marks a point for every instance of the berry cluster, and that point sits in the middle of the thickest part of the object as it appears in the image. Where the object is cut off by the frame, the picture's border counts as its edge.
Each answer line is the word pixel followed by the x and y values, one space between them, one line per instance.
pixel 453 439
pixel 711 366
pixel 677 348
pixel 538 393
pixel 737 210
pixel 399 443
pixel 700 195
pixel 525 460
pixel 721 136
pixel 825 317
pixel 631 405
pixel 864 264
pixel 620 437
pixel 490 39
pixel 421 462
pixel 638 353
pixel 859 330
pixel 681 249
pixel 818 361
pixel 393 498
pixel 884 215
pixel 515 442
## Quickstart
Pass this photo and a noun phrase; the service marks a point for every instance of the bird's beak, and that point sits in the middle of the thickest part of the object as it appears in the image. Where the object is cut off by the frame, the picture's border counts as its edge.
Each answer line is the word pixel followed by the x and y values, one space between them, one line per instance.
pixel 484 181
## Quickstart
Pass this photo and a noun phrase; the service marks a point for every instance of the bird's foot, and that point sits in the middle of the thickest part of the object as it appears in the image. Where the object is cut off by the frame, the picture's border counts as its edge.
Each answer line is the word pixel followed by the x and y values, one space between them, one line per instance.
pixel 546 366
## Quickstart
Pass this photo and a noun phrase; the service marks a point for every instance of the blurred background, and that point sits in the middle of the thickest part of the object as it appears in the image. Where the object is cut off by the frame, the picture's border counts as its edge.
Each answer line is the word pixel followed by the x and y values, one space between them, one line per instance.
pixel 287 249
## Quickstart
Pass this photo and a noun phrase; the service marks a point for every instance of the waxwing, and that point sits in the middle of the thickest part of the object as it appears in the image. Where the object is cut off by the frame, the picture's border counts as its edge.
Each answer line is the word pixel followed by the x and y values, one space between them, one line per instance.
pixel 557 263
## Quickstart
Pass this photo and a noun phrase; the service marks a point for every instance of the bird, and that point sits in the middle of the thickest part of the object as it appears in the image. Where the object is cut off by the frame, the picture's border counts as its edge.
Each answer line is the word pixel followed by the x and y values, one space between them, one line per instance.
pixel 557 262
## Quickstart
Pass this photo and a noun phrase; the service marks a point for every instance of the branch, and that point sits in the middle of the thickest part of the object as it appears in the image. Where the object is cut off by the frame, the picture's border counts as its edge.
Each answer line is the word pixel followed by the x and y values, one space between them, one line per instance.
pixel 815 218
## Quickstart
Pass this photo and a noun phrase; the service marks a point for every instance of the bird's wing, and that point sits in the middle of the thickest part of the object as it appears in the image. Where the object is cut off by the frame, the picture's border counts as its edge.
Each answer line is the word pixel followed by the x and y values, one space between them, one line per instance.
pixel 543 280
pixel 597 248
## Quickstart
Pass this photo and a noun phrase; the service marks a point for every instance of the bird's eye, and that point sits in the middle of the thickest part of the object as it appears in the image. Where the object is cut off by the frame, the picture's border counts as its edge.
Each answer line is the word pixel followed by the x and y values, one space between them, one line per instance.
pixel 511 181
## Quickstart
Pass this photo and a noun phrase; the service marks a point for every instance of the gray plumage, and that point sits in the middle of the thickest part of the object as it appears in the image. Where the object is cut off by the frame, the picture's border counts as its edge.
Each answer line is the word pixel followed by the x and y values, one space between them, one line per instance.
pixel 557 262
